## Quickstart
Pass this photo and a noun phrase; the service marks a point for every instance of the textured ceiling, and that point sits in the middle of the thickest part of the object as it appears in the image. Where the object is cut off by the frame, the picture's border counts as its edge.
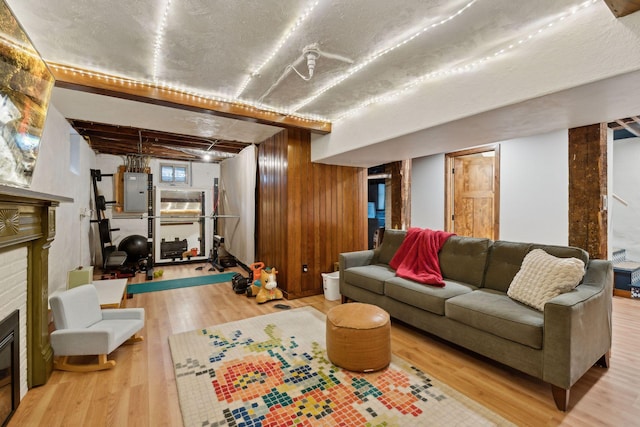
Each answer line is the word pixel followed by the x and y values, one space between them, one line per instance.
pixel 212 46
pixel 243 51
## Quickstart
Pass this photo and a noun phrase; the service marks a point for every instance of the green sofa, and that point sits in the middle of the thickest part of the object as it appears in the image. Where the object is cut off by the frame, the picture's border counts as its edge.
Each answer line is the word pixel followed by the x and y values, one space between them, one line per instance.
pixel 473 310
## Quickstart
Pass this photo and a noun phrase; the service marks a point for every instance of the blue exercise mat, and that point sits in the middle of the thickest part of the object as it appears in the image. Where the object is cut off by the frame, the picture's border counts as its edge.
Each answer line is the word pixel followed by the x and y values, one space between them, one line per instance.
pixel 163 285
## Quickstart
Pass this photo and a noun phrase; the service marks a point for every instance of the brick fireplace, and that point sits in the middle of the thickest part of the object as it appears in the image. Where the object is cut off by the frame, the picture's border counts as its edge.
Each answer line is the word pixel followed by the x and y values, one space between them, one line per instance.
pixel 10 371
pixel 27 228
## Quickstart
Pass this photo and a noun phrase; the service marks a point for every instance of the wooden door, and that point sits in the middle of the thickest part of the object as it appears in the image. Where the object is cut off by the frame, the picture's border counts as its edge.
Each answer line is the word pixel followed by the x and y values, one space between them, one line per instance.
pixel 473 197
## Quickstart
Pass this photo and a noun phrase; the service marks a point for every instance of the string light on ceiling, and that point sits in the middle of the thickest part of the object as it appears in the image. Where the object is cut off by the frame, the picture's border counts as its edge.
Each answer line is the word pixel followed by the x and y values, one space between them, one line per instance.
pixel 183 92
pixel 361 66
pixel 293 112
pixel 158 43
pixel 470 66
pixel 256 71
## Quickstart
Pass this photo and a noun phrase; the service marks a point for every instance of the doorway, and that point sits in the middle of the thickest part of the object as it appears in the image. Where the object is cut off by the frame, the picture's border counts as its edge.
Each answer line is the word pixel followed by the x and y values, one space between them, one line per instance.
pixel 376 202
pixel 472 197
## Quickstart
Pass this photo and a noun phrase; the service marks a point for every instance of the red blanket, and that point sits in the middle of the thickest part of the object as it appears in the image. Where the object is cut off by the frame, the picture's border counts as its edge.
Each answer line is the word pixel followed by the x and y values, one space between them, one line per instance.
pixel 417 256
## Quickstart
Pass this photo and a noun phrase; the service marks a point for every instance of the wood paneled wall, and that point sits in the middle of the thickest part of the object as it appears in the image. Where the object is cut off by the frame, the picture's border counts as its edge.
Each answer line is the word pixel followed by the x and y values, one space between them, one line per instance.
pixel 307 213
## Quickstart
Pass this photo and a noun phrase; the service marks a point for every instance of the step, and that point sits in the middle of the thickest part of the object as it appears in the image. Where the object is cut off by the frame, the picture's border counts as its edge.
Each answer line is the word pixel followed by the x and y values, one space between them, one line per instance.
pixel 625 273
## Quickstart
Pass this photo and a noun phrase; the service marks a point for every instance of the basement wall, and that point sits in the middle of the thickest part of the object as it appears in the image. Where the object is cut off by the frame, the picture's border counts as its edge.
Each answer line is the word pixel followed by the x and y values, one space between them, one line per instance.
pixel 57 174
pixel 202 176
pixel 533 189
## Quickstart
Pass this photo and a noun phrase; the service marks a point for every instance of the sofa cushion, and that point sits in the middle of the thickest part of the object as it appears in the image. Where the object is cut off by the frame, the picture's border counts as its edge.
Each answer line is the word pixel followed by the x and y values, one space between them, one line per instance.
pixel 369 277
pixel 505 259
pixel 464 259
pixel 565 252
pixel 425 297
pixel 543 277
pixel 390 243
pixel 494 312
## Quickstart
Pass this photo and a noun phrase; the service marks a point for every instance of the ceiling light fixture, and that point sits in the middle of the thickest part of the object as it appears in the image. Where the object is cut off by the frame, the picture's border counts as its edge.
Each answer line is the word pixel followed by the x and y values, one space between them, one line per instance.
pixel 473 65
pixel 378 55
pixel 256 71
pixel 310 54
pixel 199 153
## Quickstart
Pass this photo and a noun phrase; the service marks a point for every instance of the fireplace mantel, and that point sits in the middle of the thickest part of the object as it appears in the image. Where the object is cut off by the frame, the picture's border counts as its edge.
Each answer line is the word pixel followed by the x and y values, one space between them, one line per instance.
pixel 27 218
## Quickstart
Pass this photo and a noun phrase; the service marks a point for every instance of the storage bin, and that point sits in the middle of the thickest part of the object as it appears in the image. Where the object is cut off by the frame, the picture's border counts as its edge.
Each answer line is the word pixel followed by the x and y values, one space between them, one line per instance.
pixel 79 276
pixel 331 285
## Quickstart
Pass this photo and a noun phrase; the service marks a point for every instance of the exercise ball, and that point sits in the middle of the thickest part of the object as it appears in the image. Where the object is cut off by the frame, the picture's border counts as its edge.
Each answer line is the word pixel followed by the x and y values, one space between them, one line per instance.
pixel 135 247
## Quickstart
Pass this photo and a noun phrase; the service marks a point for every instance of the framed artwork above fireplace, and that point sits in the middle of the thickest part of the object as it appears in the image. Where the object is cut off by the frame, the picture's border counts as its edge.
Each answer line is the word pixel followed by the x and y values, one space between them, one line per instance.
pixel 25 91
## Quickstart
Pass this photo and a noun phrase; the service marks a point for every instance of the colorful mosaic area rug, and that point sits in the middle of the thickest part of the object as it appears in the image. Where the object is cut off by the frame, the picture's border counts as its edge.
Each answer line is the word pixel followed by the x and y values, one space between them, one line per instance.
pixel 273 370
pixel 164 285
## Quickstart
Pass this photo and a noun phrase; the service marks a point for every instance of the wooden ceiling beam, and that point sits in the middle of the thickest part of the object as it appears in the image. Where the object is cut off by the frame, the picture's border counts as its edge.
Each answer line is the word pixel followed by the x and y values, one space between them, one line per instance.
pixel 83 80
pixel 622 8
pixel 125 131
pixel 629 127
pixel 119 149
pixel 122 140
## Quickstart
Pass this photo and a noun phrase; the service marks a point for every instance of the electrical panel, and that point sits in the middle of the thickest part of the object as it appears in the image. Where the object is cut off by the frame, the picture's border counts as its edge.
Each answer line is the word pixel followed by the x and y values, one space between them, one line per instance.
pixel 135 192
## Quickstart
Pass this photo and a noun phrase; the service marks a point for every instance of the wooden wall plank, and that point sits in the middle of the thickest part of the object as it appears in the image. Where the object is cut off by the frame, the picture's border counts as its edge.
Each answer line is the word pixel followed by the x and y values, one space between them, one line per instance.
pixel 307 213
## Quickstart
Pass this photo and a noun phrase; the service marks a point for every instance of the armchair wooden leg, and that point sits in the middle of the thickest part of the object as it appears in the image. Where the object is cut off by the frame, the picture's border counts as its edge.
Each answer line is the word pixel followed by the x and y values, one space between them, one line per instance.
pixel 561 397
pixel 62 363
pixel 134 338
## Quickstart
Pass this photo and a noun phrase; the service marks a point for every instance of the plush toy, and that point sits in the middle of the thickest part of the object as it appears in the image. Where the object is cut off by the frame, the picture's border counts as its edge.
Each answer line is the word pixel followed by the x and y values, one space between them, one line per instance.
pixel 269 290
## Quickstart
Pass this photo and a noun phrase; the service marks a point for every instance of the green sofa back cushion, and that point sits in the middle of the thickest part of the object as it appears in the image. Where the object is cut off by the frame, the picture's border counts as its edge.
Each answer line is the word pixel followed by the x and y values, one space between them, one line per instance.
pixel 565 252
pixel 505 260
pixel 390 243
pixel 464 259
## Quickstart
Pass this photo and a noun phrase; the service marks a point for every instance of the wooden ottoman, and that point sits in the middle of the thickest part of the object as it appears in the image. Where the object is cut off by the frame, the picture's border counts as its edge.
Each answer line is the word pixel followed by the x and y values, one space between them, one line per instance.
pixel 359 337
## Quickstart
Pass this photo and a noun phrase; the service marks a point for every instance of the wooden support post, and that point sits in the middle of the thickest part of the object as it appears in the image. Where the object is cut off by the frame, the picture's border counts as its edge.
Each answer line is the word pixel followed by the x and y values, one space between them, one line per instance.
pixel 588 189
pixel 398 199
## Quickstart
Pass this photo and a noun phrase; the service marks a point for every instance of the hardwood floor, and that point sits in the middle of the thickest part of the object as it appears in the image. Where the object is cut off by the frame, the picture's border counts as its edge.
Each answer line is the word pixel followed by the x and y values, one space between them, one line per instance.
pixel 141 390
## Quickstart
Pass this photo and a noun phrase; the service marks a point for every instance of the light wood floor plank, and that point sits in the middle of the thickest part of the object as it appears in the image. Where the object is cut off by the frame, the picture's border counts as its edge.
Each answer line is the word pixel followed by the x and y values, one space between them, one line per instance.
pixel 141 389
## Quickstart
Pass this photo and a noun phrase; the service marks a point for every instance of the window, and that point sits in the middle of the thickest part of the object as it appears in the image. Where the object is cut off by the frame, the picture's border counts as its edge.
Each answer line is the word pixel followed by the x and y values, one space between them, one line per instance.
pixel 174 174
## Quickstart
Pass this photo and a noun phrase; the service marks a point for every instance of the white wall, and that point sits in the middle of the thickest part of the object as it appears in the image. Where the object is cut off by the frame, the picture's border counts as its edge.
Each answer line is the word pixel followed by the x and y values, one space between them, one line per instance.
pixel 201 178
pixel 534 189
pixel 427 192
pixel 625 220
pixel 52 175
pixel 534 179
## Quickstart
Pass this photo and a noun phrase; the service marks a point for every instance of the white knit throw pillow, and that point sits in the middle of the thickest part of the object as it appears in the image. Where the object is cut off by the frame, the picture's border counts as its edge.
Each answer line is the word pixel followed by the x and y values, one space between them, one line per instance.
pixel 543 276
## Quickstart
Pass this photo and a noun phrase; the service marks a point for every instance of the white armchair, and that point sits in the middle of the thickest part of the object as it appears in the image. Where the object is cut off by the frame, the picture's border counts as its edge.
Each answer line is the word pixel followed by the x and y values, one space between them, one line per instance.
pixel 82 328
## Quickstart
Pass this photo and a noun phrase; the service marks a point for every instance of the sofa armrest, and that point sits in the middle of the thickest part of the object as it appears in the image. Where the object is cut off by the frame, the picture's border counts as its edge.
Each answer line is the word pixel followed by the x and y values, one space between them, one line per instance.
pixel 577 326
pixel 355 259
pixel 81 342
pixel 123 313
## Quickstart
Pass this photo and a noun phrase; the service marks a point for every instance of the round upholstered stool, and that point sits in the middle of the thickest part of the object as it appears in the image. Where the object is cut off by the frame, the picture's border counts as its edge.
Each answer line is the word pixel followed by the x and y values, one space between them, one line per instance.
pixel 358 337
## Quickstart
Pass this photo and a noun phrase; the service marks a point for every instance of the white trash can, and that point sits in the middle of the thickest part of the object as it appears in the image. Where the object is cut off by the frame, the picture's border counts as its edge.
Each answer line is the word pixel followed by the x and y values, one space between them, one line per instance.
pixel 331 285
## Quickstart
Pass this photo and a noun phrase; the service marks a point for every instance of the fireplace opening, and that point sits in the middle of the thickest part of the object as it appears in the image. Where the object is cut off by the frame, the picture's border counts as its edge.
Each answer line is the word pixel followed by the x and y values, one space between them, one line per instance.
pixel 9 366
